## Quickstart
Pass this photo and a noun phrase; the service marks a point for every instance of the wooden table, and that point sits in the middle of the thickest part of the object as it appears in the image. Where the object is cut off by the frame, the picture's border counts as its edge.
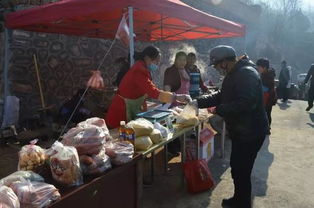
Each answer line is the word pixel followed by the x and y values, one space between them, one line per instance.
pixel 120 187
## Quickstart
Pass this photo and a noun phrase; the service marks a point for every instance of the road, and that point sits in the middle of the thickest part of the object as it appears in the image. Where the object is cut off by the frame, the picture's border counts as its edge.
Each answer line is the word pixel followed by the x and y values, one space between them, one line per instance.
pixel 282 176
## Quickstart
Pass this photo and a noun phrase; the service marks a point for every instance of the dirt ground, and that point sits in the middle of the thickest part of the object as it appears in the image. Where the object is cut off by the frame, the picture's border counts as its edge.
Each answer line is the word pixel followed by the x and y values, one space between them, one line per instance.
pixel 282 175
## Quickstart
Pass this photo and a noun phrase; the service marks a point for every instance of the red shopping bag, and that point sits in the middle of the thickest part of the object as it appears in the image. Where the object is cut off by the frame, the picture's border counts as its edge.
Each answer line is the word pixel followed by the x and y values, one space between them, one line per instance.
pixel 198 176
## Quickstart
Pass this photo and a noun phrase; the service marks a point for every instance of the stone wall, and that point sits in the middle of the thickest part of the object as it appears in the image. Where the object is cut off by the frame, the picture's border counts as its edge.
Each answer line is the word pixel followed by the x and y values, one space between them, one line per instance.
pixel 65 63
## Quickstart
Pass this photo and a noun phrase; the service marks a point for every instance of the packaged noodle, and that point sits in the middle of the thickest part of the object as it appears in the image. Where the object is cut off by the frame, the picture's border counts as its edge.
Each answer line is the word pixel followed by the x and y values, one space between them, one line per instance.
pixel 35 194
pixel 156 136
pixel 141 126
pixel 163 130
pixel 8 198
pixel 31 157
pixel 187 117
pixel 21 176
pixel 143 143
pixel 65 165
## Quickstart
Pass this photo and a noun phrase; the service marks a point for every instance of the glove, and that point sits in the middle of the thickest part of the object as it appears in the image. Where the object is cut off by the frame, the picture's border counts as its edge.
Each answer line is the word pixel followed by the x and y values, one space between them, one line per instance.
pixel 183 98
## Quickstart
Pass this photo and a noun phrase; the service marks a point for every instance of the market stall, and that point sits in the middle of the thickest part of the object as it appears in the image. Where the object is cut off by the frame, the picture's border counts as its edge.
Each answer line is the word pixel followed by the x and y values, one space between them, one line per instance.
pixel 169 20
pixel 73 182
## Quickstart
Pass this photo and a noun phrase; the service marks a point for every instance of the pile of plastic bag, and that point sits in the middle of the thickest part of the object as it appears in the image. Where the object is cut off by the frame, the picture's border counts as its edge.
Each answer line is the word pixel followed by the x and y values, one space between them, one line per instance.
pixel 95 164
pixel 147 134
pixel 21 176
pixel 8 198
pixel 119 152
pixel 89 138
pixel 35 194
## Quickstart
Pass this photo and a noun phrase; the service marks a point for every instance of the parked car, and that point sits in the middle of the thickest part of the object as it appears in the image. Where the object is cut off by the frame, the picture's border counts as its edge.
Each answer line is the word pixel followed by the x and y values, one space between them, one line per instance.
pixel 301 78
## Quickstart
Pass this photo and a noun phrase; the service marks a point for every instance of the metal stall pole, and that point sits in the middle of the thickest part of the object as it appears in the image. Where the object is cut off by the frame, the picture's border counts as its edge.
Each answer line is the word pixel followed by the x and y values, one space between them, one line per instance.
pixel 131 37
pixel 6 63
pixel 223 138
pixel 7 57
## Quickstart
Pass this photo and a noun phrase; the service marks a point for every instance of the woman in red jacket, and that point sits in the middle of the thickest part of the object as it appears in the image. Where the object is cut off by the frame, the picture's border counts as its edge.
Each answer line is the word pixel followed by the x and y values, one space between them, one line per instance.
pixel 136 86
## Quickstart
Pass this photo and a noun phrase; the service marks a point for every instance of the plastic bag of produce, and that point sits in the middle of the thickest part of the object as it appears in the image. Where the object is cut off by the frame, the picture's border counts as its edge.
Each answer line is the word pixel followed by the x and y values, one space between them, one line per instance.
pixel 187 117
pixel 96 81
pixel 156 136
pixel 8 198
pixel 88 136
pixel 35 194
pixel 143 143
pixel 119 152
pixel 21 176
pixel 141 126
pixel 65 165
pixel 31 157
pixel 96 164
pixel 163 130
pixel 95 121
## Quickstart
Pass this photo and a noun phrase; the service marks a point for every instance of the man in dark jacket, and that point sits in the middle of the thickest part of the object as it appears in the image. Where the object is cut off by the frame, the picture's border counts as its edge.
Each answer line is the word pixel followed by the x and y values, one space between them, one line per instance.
pixel 310 76
pixel 284 78
pixel 240 103
pixel 268 81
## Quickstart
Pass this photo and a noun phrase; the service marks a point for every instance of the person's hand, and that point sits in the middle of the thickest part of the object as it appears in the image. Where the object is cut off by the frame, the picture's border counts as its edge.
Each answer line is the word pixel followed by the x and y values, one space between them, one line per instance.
pixel 183 98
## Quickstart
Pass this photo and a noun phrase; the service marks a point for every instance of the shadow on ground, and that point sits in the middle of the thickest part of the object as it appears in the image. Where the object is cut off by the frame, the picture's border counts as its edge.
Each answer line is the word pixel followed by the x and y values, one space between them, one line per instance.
pixel 168 191
pixel 284 105
pixel 312 119
pixel 261 170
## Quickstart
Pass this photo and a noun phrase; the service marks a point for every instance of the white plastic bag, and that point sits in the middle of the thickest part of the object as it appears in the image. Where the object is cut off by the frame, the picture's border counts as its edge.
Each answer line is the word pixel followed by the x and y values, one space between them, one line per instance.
pixel 96 81
pixel 21 176
pixel 65 165
pixel 8 198
pixel 143 143
pixel 156 136
pixel 119 152
pixel 188 112
pixel 35 194
pixel 141 126
pixel 163 130
pixel 32 157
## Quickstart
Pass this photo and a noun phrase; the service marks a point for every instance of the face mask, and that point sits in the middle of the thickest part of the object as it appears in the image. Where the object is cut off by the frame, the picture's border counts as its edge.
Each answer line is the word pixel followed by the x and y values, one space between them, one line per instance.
pixel 152 67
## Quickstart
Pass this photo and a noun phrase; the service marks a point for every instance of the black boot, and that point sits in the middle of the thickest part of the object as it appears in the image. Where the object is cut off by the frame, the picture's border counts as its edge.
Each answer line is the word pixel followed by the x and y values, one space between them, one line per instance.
pixel 228 203
pixel 309 107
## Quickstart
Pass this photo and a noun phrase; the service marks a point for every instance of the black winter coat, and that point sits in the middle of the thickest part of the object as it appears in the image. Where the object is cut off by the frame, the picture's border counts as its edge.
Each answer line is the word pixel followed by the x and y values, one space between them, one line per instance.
pixel 240 103
pixel 310 76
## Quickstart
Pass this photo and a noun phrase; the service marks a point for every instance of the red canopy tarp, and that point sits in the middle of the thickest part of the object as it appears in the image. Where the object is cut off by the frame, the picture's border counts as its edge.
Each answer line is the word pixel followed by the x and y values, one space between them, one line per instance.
pixel 154 20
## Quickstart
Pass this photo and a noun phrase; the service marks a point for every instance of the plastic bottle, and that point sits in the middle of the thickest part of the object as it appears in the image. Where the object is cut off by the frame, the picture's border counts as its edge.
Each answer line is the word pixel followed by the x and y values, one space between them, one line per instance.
pixel 130 135
pixel 122 131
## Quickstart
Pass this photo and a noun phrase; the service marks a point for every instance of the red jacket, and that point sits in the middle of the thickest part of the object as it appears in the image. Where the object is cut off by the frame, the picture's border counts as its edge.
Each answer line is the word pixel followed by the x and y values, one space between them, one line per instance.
pixel 136 83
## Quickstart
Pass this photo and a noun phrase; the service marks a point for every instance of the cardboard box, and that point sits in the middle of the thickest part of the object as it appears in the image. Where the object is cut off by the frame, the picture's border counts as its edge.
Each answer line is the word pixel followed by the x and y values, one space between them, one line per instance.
pixel 206 145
